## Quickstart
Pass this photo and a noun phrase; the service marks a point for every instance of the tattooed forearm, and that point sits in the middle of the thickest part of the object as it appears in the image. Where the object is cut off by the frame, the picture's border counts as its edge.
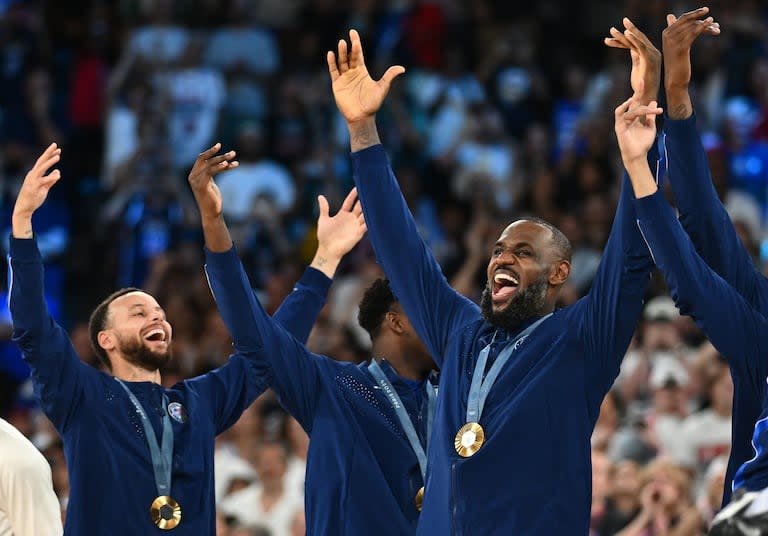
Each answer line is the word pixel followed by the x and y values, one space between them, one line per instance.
pixel 363 135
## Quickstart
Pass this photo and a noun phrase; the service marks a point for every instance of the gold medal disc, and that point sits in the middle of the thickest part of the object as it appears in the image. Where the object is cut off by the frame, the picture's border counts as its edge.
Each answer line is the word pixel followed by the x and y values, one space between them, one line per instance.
pixel 469 439
pixel 420 498
pixel 165 512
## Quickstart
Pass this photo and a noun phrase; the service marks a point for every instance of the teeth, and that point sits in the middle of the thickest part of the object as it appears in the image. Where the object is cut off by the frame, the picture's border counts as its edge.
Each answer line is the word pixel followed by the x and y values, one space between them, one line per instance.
pixel 498 278
pixel 156 332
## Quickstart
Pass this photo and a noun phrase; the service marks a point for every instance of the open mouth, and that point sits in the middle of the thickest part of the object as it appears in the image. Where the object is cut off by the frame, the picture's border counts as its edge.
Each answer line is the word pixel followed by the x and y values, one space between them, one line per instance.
pixel 504 286
pixel 156 335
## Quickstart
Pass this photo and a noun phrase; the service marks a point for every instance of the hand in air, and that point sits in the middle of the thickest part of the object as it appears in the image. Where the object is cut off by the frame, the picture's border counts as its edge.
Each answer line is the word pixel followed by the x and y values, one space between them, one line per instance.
pixel 337 235
pixel 38 182
pixel 646 60
pixel 205 190
pixel 635 126
pixel 358 96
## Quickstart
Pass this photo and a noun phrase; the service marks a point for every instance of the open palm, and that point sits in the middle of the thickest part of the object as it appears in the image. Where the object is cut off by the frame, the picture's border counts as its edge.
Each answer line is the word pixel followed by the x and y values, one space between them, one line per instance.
pixel 338 234
pixel 357 95
pixel 38 182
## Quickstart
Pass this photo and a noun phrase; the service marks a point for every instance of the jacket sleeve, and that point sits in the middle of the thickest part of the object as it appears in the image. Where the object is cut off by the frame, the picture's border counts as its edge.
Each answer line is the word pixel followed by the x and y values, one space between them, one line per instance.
pixel 274 356
pixel 300 309
pixel 57 372
pixel 433 307
pixel 704 217
pixel 606 317
pixel 735 328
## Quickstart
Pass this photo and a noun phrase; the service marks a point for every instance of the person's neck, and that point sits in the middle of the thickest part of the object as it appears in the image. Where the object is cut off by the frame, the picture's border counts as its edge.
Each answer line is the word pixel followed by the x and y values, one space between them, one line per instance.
pixel 129 372
pixel 404 366
pixel 273 490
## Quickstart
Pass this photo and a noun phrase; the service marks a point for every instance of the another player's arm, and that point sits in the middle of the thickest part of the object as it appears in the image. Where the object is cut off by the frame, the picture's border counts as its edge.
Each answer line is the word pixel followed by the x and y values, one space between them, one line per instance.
pixel 433 307
pixel 56 368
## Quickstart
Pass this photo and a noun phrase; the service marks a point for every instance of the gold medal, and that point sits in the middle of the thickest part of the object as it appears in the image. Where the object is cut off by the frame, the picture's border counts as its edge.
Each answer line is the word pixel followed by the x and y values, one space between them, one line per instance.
pixel 420 498
pixel 469 439
pixel 165 512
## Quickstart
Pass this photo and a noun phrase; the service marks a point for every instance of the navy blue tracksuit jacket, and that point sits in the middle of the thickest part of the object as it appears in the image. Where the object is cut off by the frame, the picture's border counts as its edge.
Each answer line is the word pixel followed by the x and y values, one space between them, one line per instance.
pixel 110 469
pixel 734 326
pixel 533 474
pixel 362 474
pixel 709 227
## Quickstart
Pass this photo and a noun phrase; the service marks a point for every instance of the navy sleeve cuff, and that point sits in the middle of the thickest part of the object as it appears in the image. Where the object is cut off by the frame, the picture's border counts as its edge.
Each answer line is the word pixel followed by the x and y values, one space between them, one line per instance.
pixel 218 260
pixel 675 125
pixel 316 281
pixel 24 249
pixel 372 155
pixel 651 207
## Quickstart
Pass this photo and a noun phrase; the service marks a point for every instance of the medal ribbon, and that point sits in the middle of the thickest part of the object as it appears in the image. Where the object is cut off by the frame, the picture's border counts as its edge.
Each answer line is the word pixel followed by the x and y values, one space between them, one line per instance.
pixel 405 421
pixel 162 456
pixel 480 387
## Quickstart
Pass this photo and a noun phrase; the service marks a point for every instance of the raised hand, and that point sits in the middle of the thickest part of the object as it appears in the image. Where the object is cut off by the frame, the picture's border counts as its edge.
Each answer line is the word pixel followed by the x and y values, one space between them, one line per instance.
pixel 34 191
pixel 635 127
pixel 677 40
pixel 337 235
pixel 358 96
pixel 205 190
pixel 646 60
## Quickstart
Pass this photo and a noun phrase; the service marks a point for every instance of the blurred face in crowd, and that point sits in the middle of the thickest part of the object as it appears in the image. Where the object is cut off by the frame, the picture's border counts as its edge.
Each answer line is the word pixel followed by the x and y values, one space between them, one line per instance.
pixel 271 464
pixel 721 392
pixel 525 271
pixel 138 331
pixel 669 482
pixel 626 479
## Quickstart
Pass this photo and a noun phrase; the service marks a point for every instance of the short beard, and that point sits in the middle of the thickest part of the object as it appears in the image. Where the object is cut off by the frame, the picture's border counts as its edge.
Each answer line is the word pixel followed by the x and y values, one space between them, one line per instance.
pixel 136 352
pixel 527 303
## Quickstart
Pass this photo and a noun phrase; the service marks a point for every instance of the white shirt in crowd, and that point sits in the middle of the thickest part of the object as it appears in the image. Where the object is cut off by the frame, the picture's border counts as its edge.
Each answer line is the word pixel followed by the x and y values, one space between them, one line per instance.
pixel 28 505
pixel 245 506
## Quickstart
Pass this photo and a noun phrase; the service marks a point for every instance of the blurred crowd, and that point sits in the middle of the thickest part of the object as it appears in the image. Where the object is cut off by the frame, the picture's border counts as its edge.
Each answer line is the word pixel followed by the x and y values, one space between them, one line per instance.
pixel 505 110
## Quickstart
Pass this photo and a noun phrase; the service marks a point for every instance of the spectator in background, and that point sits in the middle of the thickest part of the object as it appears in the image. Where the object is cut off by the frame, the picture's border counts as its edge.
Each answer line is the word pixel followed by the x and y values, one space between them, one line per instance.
pixel 257 178
pixel 269 503
pixel 160 40
pixel 193 95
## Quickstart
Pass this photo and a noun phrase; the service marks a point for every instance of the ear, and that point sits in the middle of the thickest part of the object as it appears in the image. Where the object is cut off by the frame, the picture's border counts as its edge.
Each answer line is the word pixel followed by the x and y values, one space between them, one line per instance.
pixel 395 322
pixel 559 272
pixel 106 340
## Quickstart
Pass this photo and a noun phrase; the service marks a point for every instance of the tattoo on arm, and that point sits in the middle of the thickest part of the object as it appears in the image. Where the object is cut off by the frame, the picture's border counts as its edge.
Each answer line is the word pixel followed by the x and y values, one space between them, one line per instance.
pixel 363 136
pixel 321 261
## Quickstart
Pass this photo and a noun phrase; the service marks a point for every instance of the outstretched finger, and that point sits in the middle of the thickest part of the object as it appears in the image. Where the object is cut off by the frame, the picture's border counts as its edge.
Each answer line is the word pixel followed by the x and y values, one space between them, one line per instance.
pixel 322 204
pixel 637 32
pixel 356 58
pixel 43 166
pixel 205 155
pixel 642 111
pixel 671 19
pixel 617 39
pixel 222 157
pixel 50 150
pixel 343 59
pixel 695 14
pixel 358 209
pixel 52 178
pixel 349 201
pixel 223 166
pixel 622 108
pixel 633 38
pixel 333 69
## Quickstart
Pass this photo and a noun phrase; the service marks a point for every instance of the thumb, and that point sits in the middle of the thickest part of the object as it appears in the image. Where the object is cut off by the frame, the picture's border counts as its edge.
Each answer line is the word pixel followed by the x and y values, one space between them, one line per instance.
pixel 322 203
pixel 392 73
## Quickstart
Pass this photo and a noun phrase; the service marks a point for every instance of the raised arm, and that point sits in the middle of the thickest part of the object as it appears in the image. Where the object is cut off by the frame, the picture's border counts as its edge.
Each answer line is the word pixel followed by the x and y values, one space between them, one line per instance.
pixel 702 214
pixel 606 317
pixel 57 371
pixel 336 236
pixel 433 307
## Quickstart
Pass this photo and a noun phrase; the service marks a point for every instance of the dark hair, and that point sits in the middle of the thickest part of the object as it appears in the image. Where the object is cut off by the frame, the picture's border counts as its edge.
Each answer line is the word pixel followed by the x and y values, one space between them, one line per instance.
pixel 98 322
pixel 561 242
pixel 376 303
